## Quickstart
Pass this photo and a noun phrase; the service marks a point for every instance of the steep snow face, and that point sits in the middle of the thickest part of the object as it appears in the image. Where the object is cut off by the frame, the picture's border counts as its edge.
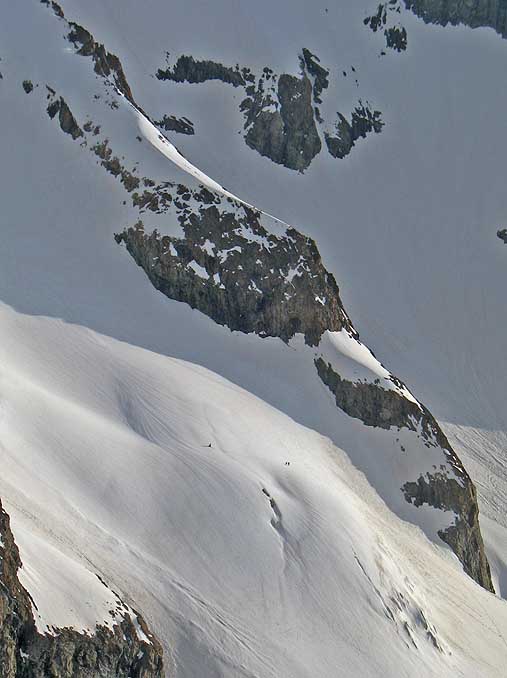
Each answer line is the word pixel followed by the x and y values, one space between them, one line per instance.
pixel 106 458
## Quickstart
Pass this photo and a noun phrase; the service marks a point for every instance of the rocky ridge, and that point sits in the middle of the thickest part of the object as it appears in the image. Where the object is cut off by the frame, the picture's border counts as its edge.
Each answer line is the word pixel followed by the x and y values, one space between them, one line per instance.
pixel 230 268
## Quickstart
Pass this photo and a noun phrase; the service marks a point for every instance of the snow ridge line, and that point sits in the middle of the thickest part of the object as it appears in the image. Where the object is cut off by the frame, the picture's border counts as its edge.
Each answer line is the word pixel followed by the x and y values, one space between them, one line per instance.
pixel 157 139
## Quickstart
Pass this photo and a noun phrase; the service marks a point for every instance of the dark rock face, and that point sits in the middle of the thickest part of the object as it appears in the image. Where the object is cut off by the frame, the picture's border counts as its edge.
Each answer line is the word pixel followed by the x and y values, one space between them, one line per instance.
pixel 66 119
pixel 106 64
pixel 376 406
pixel 113 165
pixel 54 6
pixel 311 63
pixel 502 234
pixel 171 123
pixel 187 69
pixel 289 136
pixel 386 19
pixel 372 404
pixel 364 121
pixel 27 86
pixel 464 537
pixel 250 280
pixel 231 269
pixel 25 653
pixel 473 13
pixel 396 38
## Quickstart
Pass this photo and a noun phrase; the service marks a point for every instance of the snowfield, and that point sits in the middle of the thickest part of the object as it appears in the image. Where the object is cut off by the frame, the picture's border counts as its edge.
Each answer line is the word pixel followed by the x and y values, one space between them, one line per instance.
pixel 286 549
pixel 244 565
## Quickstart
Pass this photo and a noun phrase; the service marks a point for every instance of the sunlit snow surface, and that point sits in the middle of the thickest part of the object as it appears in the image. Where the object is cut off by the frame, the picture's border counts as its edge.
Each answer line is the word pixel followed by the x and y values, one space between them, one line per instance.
pixel 242 563
pixel 110 394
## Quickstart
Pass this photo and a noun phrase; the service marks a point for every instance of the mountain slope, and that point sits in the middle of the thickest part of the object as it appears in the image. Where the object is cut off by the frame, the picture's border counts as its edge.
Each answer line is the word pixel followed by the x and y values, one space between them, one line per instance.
pixel 107 442
pixel 108 449
pixel 421 202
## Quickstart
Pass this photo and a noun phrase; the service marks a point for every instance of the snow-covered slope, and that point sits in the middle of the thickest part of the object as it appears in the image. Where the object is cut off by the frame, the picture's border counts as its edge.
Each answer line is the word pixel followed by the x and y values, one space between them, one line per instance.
pixel 243 565
pixel 268 554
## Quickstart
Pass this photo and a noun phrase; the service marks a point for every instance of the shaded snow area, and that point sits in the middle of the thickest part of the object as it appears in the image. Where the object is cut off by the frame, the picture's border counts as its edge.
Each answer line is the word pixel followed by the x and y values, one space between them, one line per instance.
pixel 107 469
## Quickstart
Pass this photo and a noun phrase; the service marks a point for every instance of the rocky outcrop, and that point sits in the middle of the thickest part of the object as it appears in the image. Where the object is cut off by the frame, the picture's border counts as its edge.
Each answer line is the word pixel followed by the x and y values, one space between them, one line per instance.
pixel 27 86
pixel 385 19
pixel 320 75
pixel 114 166
pixel 364 121
pixel 287 136
pixel 188 69
pixel 55 7
pixel 170 123
pixel 473 13
pixel 464 537
pixel 106 64
pixel 66 119
pixel 396 38
pixel 372 404
pixel 449 489
pixel 230 268
pixel 281 111
pixel 502 234
pixel 26 653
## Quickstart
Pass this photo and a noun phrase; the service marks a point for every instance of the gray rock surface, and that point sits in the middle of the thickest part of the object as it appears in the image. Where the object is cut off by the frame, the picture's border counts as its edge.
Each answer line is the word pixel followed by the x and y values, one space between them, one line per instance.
pixel 473 13
pixel 363 122
pixel 287 136
pixel 464 537
pixel 248 280
pixel 66 119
